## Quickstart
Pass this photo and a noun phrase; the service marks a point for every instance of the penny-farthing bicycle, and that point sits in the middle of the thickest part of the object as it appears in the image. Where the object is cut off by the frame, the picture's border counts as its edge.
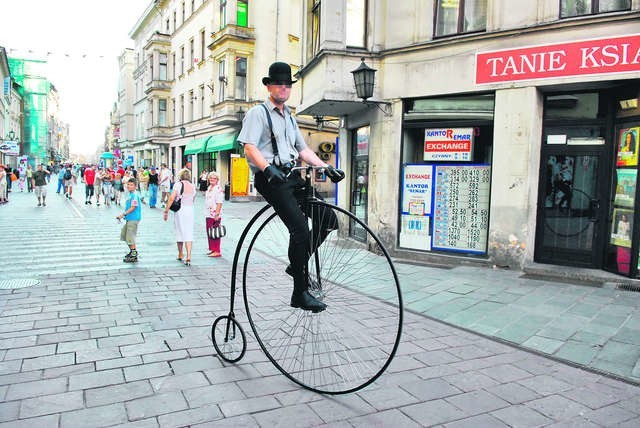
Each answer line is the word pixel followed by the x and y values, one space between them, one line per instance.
pixel 341 349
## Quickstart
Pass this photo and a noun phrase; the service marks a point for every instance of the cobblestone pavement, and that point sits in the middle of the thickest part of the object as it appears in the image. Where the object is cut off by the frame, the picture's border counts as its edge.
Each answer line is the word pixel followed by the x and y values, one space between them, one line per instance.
pixel 99 343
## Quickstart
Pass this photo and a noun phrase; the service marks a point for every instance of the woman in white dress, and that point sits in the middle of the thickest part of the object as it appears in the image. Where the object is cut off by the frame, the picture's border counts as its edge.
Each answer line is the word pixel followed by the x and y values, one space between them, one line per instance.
pixel 183 219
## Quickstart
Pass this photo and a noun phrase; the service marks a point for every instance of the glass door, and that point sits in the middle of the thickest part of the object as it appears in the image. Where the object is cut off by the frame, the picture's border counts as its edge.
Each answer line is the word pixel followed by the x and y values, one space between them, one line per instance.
pixel 571 207
pixel 359 180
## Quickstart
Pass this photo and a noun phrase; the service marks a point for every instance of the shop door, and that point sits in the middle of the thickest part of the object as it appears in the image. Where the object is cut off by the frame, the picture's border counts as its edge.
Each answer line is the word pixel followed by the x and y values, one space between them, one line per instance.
pixel 359 181
pixel 572 207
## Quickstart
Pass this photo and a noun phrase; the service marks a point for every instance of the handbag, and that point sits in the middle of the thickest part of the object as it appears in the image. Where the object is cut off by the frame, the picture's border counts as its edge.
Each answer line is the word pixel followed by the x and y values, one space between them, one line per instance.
pixel 217 232
pixel 177 203
pixel 13 177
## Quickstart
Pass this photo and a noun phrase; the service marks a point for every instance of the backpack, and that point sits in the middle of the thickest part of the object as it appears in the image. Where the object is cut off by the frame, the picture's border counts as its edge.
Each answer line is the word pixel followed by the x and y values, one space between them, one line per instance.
pixel 67 175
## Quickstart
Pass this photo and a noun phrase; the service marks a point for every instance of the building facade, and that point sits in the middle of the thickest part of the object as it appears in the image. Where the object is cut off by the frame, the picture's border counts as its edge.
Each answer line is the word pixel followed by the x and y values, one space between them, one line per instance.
pixel 509 132
pixel 199 66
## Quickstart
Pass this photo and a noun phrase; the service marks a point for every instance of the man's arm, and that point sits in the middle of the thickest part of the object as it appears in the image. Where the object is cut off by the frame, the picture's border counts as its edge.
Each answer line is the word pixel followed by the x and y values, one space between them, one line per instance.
pixel 254 155
pixel 311 158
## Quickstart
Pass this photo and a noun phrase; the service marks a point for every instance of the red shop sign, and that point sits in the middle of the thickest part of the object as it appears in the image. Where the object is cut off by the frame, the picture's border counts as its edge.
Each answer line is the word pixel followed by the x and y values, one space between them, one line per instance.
pixel 597 56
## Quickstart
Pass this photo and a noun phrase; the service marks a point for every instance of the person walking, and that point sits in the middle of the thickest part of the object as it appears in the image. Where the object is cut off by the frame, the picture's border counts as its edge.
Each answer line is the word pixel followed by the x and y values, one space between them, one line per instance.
pixel 3 185
pixel 144 184
pixel 213 199
pixel 29 178
pixel 69 181
pixel 107 187
pixel 39 179
pixel 97 184
pixel 273 143
pixel 203 181
pixel 132 214
pixel 89 181
pixel 183 218
pixel 61 173
pixel 22 178
pixel 165 183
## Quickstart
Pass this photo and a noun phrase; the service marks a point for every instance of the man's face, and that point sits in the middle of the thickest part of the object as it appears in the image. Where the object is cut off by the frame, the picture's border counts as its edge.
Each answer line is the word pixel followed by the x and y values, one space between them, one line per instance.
pixel 131 186
pixel 279 91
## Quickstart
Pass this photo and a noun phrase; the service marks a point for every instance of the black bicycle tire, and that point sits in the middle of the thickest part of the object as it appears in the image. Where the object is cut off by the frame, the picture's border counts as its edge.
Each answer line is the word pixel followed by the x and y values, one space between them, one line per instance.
pixel 384 251
pixel 221 354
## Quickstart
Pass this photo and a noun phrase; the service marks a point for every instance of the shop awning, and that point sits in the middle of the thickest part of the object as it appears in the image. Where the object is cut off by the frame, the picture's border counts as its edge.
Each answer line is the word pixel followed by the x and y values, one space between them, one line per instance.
pixel 195 146
pixel 220 142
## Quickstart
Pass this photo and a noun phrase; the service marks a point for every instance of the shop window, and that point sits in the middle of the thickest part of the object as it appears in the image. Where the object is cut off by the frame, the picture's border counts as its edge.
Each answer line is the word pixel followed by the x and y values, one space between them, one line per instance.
pixel 314 28
pixel 241 78
pixel 574 106
pixel 242 16
pixel 207 162
pixel 571 8
pixel 356 23
pixel 460 16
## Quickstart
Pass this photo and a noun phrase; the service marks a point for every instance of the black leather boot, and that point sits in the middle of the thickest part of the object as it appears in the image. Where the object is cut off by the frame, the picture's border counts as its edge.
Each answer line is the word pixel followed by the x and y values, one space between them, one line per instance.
pixel 305 301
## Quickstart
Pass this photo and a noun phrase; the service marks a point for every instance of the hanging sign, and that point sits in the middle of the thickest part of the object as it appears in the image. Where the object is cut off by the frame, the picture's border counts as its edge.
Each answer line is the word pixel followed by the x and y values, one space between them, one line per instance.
pixel 448 144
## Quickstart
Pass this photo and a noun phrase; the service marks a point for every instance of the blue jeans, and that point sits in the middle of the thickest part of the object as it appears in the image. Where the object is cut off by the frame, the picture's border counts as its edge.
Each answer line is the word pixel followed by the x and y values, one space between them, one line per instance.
pixel 153 194
pixel 60 185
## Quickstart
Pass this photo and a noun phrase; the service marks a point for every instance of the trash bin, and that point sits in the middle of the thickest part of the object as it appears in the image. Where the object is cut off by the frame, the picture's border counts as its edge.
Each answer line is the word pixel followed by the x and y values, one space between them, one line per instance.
pixel 227 192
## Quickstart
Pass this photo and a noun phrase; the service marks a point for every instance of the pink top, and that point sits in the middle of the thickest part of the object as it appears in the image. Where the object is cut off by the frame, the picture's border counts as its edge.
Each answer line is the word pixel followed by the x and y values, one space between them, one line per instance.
pixel 189 194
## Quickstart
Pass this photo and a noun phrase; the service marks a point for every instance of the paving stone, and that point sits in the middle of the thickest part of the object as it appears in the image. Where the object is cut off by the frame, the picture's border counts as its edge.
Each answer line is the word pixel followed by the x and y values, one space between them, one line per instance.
pixel 69 336
pixel 235 422
pixel 95 379
pixel 195 364
pixel 433 412
pixel 297 397
pixel 12 366
pixel 557 407
pixel 513 392
pixel 505 373
pixel 266 386
pixel 118 393
pixel 212 394
pixel 29 352
pixel 387 398
pixel 179 382
pixel 341 407
pixel 389 418
pixel 300 415
pixel 476 402
pixel 545 384
pixel 191 417
pixel 47 361
pixel 231 373
pixel 521 416
pixel 118 362
pixel 48 404
pixel 77 345
pixel 94 417
pixel 129 329
pixel 147 371
pixel 55 372
pixel 128 339
pixel 19 391
pixel 165 356
pixel 143 348
pixel 159 404
pixel 20 377
pixel 248 405
pixel 470 381
pixel 9 411
pixel 83 356
pixel 590 398
pixel 479 421
pixel 610 415
pixel 42 421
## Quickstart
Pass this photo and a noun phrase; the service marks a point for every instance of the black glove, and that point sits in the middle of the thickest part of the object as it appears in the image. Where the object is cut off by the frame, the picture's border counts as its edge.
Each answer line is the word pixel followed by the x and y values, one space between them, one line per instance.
pixel 274 175
pixel 334 174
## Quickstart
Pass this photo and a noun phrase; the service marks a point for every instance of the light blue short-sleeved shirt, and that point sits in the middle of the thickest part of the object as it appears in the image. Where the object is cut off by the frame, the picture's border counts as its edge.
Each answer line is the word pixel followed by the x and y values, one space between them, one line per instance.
pixel 255 130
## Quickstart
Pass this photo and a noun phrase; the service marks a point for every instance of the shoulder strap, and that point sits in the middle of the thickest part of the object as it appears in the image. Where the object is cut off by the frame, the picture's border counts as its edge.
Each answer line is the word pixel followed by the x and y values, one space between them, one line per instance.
pixel 274 144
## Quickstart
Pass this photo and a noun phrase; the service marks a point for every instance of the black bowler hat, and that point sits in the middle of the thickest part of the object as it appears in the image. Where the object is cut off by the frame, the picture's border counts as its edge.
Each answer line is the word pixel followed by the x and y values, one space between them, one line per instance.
pixel 279 72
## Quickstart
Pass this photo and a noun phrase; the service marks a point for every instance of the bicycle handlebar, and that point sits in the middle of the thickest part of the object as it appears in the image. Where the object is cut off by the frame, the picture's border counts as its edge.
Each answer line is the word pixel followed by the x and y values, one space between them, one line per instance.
pixel 307 167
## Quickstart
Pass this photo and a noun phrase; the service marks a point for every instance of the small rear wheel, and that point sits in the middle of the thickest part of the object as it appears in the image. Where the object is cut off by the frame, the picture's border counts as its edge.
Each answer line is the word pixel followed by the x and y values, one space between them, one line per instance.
pixel 228 338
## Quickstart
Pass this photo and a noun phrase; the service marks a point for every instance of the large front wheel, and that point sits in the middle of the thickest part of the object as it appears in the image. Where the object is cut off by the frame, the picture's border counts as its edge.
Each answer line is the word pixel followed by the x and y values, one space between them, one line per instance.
pixel 351 343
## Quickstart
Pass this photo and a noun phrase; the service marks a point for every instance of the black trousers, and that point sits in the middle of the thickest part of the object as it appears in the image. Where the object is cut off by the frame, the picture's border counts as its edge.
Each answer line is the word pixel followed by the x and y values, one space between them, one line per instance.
pixel 286 199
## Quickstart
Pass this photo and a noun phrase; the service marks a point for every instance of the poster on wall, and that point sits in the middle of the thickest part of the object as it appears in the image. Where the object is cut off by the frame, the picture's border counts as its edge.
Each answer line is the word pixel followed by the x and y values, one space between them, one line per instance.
pixel 621 227
pixel 461 208
pixel 628 147
pixel 417 193
pixel 626 187
pixel 448 144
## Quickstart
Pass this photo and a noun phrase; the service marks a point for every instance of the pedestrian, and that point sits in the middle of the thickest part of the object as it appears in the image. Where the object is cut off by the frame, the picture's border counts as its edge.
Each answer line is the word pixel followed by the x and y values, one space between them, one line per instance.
pixel 3 185
pixel 183 218
pixel 165 183
pixel 118 188
pixel 144 183
pixel 132 214
pixel 89 181
pixel 69 181
pixel 22 178
pixel 107 187
pixel 203 181
pixel 40 184
pixel 29 178
pixel 97 185
pixel 153 187
pixel 11 177
pixel 272 144
pixel 213 199
pixel 61 173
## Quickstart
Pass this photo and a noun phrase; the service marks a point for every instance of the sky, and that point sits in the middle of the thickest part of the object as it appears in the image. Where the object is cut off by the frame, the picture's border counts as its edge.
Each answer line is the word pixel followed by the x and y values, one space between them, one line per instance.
pixel 84 38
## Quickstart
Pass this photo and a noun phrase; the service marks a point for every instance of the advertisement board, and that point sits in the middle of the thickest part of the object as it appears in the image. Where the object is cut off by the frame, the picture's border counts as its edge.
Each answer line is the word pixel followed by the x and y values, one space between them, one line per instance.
pixel 239 176
pixel 10 148
pixel 448 144
pixel 417 195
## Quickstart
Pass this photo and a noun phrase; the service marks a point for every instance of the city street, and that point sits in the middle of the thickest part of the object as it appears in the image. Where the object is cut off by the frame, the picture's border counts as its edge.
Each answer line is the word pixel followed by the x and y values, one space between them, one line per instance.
pixel 86 340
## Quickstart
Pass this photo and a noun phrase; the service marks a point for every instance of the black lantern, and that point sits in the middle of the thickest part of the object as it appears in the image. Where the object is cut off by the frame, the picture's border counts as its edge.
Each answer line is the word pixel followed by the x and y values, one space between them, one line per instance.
pixel 364 78
pixel 183 131
pixel 11 135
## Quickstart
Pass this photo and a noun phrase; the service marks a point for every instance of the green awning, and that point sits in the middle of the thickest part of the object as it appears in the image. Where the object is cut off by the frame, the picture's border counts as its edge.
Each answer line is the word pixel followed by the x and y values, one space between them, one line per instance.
pixel 220 142
pixel 195 146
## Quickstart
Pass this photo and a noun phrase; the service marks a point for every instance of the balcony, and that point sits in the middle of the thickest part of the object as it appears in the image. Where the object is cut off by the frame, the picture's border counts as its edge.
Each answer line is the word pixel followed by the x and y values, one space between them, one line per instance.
pixel 227 113
pixel 232 33
pixel 157 85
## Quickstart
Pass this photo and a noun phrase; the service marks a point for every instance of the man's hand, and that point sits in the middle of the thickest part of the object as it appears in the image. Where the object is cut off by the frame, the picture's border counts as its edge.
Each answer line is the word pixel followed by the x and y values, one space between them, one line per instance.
pixel 274 175
pixel 334 174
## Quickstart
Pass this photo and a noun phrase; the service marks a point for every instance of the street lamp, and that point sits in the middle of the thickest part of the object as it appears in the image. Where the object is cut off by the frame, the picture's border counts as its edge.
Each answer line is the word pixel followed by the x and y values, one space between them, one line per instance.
pixel 183 131
pixel 12 134
pixel 364 78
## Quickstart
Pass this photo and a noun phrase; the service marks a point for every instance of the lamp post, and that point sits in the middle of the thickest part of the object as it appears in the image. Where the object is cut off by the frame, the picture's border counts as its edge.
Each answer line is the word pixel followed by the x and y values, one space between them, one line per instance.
pixel 183 131
pixel 11 135
pixel 364 78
